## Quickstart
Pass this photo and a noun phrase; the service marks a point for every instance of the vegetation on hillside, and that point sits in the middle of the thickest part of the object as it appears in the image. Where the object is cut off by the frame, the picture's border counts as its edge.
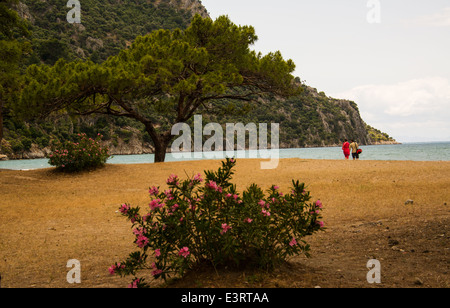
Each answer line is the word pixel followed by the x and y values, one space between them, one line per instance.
pixel 377 136
pixel 106 27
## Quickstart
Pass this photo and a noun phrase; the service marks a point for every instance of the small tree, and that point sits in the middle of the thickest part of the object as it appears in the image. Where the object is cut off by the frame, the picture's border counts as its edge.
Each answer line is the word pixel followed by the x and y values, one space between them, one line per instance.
pixel 163 78
pixel 205 220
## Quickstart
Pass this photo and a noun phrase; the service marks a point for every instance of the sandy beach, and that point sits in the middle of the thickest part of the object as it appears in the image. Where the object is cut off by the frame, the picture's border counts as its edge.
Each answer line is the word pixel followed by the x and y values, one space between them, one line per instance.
pixel 48 218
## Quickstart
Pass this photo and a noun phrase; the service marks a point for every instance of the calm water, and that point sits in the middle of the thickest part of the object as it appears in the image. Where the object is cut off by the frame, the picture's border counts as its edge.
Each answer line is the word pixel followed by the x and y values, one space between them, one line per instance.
pixel 436 151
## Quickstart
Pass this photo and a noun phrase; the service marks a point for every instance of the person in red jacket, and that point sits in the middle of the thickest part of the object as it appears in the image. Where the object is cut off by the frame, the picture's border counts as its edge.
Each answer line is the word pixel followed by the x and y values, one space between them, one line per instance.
pixel 346 149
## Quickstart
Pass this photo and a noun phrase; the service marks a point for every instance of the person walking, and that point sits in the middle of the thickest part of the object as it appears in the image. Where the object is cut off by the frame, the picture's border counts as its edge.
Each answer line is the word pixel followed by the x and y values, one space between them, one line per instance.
pixel 354 147
pixel 346 149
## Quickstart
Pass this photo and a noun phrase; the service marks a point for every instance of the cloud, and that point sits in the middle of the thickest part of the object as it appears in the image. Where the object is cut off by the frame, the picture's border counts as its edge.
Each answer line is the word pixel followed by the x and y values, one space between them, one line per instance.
pixel 419 108
pixel 440 19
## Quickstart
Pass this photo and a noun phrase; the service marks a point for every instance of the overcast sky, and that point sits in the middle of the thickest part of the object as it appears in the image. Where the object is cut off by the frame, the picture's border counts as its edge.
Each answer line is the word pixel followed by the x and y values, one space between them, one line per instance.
pixel 392 57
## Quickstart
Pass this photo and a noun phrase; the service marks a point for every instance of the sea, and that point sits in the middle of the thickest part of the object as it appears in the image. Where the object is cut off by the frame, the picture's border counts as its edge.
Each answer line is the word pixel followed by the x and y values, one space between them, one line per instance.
pixel 418 151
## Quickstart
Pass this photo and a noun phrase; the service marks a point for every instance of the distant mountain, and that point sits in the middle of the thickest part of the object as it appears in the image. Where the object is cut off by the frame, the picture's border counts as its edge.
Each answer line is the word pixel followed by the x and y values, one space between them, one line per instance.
pixel 310 119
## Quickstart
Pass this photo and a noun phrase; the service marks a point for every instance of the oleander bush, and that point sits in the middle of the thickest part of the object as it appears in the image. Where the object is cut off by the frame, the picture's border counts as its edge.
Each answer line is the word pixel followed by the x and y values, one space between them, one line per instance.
pixel 85 153
pixel 205 220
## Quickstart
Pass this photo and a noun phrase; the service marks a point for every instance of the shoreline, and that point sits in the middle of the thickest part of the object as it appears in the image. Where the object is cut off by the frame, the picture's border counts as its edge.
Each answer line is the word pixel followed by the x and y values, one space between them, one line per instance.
pixel 142 164
pixel 420 151
pixel 41 153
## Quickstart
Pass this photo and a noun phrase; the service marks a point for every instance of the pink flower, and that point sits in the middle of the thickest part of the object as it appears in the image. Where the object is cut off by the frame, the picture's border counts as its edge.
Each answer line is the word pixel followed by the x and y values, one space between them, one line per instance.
pixel 225 228
pixel 293 242
pixel 157 252
pixel 156 204
pixel 124 209
pixel 113 268
pixel 262 203
pixel 133 285
pixel 138 231
pixel 319 204
pixel 133 219
pixel 153 191
pixel 172 180
pixel 213 185
pixel 184 252
pixel 168 194
pixel 248 220
pixel 141 241
pixel 156 270
pixel 198 178
pixel 265 213
pixel 320 223
pixel 276 187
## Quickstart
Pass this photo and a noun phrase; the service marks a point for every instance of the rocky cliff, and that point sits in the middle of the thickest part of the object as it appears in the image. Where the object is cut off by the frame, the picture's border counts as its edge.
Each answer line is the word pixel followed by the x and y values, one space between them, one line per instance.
pixel 194 6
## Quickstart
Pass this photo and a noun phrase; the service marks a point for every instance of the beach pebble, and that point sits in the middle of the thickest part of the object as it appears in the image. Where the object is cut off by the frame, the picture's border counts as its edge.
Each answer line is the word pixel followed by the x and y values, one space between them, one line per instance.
pixel 418 281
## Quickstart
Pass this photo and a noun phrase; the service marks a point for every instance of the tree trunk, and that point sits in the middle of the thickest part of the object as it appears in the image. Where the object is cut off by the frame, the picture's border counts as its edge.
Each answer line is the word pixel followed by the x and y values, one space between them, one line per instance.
pixel 160 152
pixel 161 142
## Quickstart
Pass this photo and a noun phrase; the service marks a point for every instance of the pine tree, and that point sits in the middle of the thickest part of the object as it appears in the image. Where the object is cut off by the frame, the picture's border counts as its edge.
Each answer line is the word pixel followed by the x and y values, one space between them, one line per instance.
pixel 163 78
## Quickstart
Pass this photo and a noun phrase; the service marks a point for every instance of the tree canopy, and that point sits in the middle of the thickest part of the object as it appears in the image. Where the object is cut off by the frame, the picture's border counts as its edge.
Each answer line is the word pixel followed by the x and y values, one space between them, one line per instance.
pixel 163 78
pixel 12 50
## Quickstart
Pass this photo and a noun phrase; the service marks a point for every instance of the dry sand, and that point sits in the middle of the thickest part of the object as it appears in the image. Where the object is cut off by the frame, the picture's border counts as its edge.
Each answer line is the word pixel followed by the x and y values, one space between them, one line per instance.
pixel 48 218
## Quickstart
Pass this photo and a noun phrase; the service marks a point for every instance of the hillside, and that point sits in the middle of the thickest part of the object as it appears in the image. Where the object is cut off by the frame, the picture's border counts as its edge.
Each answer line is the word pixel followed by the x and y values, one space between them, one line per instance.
pixel 308 120
pixel 106 26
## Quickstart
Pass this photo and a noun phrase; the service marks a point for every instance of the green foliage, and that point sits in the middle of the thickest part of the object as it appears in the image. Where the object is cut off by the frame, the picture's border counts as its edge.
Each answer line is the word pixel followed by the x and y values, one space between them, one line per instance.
pixel 11 25
pixel 113 24
pixel 300 118
pixel 51 50
pixel 193 223
pixel 12 49
pixel 85 154
pixel 162 79
pixel 378 136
